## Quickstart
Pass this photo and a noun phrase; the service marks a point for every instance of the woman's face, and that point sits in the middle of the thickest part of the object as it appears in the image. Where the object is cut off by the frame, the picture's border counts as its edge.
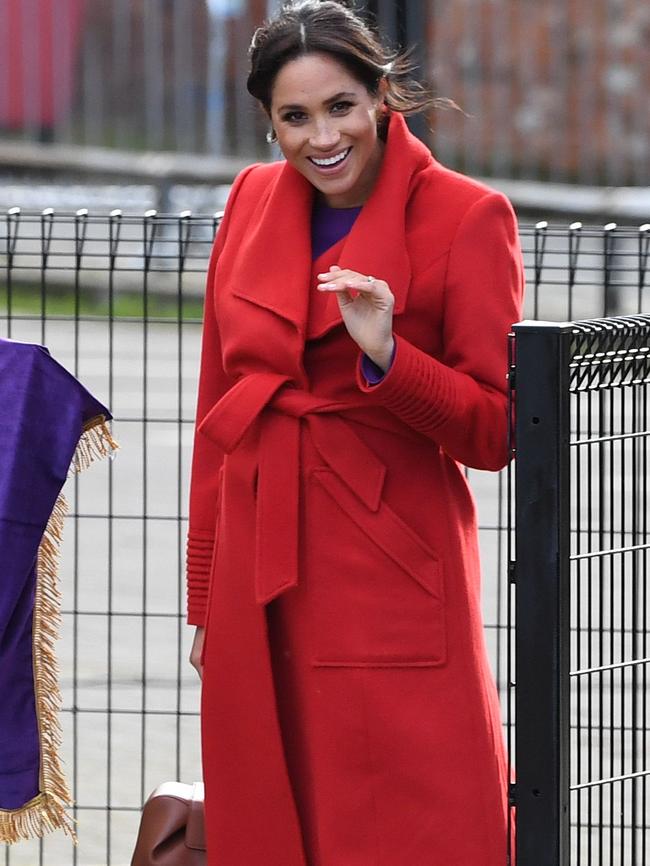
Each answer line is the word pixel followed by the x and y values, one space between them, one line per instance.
pixel 326 124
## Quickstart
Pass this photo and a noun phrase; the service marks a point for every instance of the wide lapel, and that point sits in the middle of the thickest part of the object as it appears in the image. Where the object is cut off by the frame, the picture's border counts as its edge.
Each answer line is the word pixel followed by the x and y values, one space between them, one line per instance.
pixel 273 264
pixel 272 267
pixel 376 245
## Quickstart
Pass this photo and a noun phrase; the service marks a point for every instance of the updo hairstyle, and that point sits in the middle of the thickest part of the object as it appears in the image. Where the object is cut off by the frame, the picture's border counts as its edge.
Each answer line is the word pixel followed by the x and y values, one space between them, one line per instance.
pixel 326 26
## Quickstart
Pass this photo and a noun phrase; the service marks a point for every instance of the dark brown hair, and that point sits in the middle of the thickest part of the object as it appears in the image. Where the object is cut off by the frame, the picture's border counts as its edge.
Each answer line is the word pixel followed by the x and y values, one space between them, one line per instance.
pixel 328 27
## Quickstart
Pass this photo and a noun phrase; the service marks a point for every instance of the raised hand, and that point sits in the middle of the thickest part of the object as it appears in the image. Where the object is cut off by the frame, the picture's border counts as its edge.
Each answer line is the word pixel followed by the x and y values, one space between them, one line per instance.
pixel 366 305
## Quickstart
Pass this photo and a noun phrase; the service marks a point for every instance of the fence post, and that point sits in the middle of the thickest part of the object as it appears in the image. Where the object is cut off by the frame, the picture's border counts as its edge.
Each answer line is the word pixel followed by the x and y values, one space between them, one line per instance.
pixel 542 539
pixel 405 24
pixel 415 23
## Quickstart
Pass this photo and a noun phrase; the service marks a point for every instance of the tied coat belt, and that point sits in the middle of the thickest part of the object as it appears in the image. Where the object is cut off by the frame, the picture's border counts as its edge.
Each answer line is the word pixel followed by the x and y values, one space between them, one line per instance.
pixel 280 408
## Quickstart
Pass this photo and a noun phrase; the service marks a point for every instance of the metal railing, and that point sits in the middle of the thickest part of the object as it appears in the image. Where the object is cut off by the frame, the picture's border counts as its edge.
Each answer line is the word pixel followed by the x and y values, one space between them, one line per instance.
pixel 117 299
pixel 582 587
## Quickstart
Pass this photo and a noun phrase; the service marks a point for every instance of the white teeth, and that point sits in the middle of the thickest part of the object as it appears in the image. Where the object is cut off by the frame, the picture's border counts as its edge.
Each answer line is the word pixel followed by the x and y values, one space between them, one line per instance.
pixel 333 160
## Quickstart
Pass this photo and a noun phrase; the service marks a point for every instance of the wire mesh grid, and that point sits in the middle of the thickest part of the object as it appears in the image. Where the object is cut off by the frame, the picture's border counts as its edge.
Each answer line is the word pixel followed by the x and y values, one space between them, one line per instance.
pixel 117 299
pixel 610 600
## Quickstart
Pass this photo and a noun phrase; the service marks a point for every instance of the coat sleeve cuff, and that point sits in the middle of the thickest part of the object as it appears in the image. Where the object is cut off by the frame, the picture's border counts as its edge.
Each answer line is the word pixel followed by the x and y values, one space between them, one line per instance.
pixel 372 372
pixel 200 544
pixel 417 388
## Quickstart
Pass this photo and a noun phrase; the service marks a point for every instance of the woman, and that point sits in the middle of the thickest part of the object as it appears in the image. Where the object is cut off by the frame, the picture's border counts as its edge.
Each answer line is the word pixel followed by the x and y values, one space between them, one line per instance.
pixel 354 354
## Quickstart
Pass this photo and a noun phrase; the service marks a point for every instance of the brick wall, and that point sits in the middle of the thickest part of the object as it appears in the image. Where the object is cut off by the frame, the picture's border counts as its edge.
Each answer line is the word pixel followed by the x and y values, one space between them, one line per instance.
pixel 554 89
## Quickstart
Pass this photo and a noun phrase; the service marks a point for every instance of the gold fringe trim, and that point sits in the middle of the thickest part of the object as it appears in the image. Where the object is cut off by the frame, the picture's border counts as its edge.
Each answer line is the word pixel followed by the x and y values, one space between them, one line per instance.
pixel 47 811
pixel 36 818
pixel 95 443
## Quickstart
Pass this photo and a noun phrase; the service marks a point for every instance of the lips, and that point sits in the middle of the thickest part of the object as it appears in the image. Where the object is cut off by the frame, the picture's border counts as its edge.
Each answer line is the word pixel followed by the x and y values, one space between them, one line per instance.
pixel 330 165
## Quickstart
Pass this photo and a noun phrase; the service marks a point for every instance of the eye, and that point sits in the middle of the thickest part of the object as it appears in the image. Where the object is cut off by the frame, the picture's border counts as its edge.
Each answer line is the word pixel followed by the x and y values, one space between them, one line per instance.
pixel 342 107
pixel 293 116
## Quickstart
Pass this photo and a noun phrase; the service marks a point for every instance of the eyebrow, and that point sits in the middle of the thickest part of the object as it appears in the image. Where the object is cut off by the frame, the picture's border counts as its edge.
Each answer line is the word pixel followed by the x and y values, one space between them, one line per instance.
pixel 344 94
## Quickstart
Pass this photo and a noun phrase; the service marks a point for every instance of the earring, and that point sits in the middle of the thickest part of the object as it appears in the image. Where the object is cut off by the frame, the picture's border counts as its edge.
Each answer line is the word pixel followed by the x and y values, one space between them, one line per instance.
pixel 271 136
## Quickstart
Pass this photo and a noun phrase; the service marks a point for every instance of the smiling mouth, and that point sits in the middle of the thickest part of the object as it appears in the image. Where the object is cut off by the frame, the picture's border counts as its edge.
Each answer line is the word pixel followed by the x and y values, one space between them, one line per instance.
pixel 330 162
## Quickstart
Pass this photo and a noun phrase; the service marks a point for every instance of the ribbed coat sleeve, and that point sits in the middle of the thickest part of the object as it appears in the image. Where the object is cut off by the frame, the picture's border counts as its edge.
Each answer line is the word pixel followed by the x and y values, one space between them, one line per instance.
pixel 459 399
pixel 207 457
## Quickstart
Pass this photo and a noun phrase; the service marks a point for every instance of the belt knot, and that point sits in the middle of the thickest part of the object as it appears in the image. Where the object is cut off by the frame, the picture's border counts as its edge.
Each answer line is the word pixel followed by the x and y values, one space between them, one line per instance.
pixel 277 509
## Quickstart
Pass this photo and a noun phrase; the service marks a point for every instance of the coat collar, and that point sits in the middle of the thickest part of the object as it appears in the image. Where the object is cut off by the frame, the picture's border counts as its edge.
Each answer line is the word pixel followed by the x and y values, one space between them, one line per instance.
pixel 273 266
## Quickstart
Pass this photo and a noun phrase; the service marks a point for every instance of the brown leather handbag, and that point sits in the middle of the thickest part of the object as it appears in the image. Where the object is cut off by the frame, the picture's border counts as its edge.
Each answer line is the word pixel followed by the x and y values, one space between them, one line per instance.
pixel 172 828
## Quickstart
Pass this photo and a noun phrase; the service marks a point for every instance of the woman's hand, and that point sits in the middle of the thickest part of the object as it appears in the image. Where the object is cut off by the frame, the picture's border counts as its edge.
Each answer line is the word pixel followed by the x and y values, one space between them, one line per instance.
pixel 366 305
pixel 197 649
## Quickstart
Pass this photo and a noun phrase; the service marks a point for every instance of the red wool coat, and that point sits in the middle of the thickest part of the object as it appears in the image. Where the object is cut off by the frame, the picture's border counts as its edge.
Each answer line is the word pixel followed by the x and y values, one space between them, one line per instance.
pixel 349 716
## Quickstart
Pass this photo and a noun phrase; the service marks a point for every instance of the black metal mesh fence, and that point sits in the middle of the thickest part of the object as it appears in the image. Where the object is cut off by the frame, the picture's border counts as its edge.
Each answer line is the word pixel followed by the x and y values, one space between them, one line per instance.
pixel 582 586
pixel 610 592
pixel 118 301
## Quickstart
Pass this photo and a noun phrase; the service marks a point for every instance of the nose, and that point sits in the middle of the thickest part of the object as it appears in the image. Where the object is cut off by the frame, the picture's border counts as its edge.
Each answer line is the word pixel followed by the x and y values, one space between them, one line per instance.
pixel 325 135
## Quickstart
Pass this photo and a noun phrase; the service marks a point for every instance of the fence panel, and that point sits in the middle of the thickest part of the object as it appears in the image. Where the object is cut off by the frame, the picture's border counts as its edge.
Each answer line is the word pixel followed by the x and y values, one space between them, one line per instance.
pixel 118 301
pixel 583 592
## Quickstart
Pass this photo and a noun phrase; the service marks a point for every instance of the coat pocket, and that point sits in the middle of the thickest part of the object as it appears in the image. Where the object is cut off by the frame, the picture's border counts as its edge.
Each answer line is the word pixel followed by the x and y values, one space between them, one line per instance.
pixel 378 586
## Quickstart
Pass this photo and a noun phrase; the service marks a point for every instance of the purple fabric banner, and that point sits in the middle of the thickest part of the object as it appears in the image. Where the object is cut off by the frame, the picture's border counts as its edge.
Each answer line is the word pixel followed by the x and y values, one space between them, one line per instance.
pixel 44 413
